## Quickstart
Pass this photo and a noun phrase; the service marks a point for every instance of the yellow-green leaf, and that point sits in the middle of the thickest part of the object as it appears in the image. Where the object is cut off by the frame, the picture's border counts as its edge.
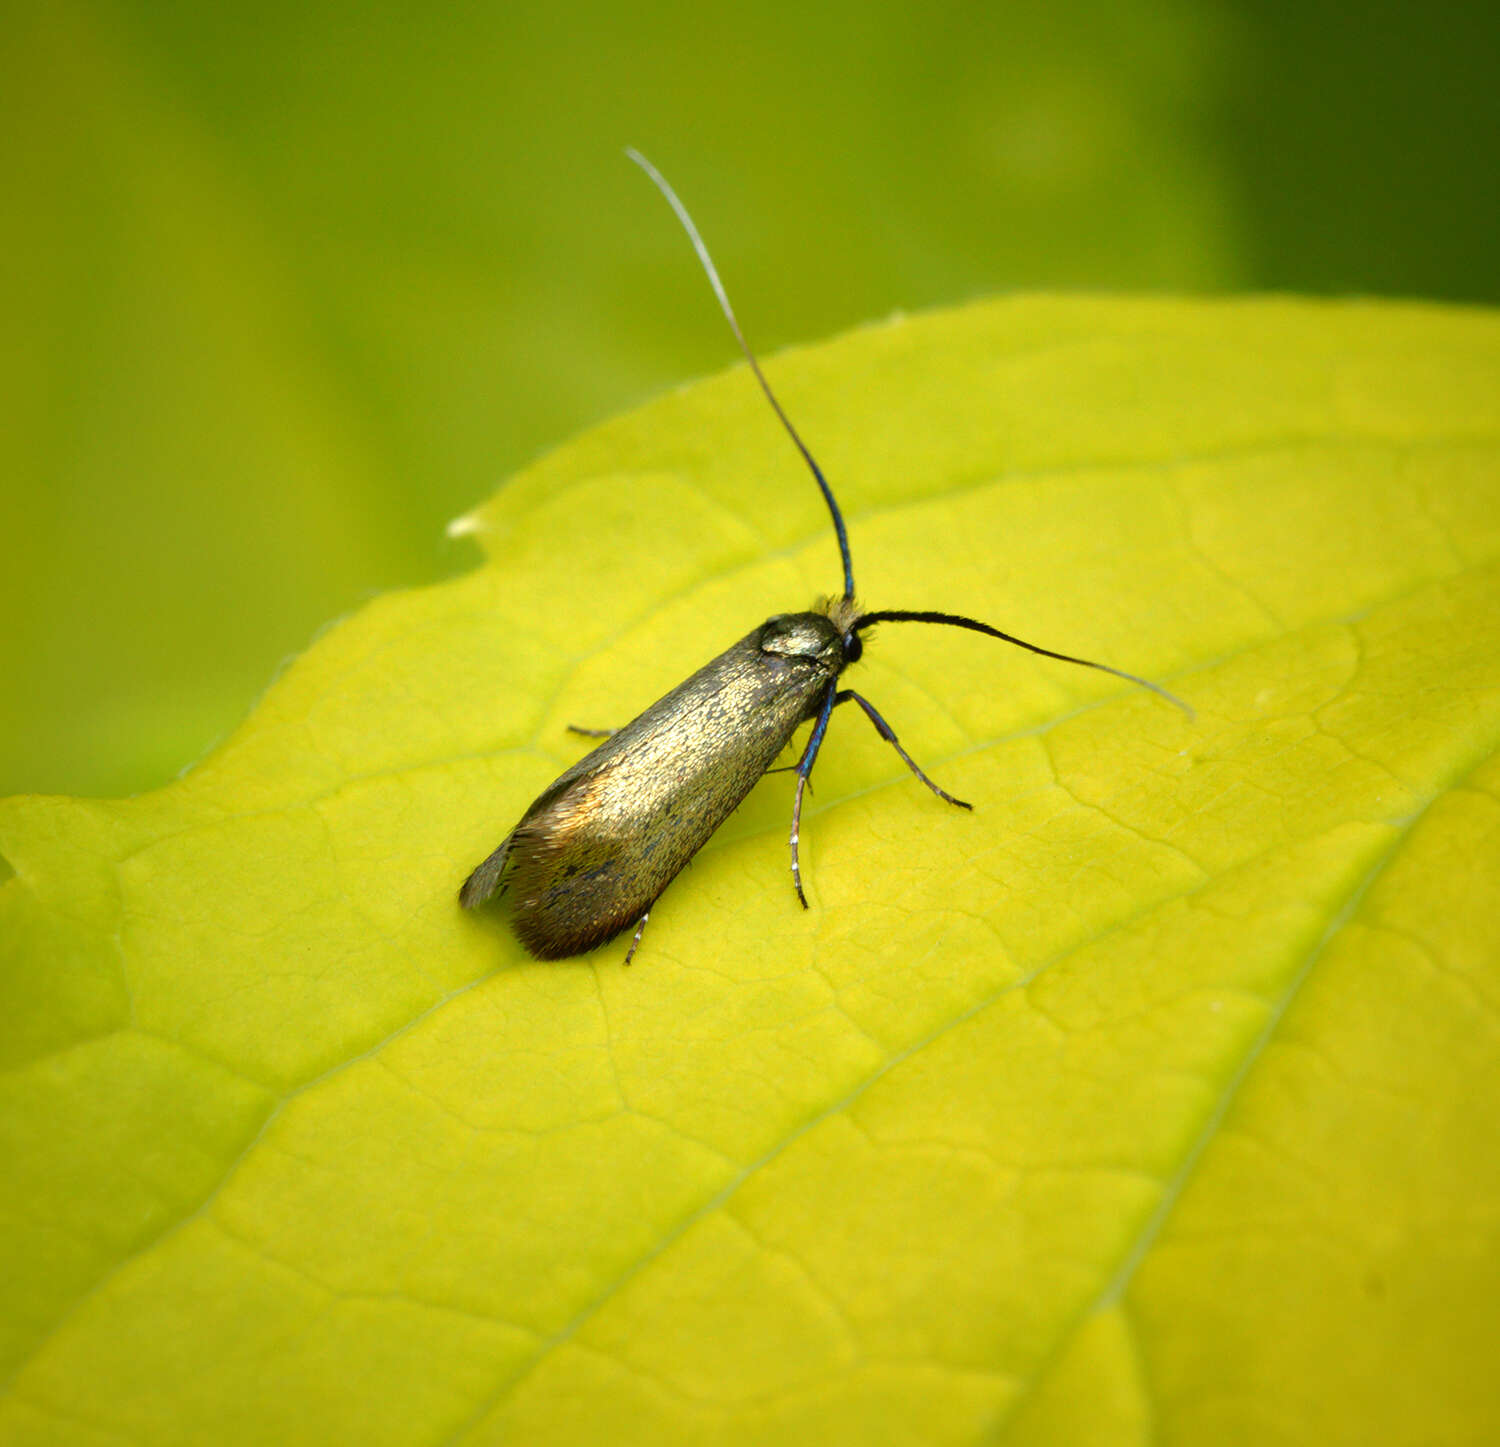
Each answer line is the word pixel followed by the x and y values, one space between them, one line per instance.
pixel 1158 1099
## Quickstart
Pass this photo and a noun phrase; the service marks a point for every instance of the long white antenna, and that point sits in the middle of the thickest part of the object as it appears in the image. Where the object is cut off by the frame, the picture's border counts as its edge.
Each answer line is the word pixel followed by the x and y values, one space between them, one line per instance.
pixel 718 286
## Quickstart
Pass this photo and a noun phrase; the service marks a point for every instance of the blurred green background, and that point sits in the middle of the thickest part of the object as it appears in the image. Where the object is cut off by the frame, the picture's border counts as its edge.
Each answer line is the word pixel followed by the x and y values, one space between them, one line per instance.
pixel 287 286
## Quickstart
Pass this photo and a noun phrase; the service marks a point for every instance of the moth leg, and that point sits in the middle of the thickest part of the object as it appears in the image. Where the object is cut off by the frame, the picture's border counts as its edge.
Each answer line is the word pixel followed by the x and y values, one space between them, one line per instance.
pixel 804 769
pixel 592 733
pixel 889 735
pixel 789 769
pixel 640 929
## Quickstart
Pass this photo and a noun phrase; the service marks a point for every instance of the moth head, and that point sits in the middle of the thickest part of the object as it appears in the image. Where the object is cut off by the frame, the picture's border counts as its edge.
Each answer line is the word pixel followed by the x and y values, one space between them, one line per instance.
pixel 844 614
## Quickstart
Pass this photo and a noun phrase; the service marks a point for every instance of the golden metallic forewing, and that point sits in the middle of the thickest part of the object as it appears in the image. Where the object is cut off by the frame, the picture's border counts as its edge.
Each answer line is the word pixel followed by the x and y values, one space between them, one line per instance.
pixel 597 848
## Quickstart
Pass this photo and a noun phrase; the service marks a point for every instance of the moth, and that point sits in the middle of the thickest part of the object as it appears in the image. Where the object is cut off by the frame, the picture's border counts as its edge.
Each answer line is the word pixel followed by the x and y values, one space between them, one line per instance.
pixel 598 846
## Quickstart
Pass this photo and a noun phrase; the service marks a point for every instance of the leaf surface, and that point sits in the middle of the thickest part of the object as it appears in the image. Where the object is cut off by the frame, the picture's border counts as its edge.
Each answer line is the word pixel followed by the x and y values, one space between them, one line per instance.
pixel 1158 1099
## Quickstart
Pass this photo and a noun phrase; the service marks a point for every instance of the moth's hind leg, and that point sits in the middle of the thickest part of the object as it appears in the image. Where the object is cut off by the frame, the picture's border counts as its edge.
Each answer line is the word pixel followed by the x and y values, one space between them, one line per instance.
pixel 640 929
pixel 592 733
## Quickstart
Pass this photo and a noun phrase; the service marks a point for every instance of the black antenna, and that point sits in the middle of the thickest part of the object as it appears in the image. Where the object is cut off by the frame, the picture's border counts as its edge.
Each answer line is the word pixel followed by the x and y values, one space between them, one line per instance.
pixel 739 336
pixel 954 620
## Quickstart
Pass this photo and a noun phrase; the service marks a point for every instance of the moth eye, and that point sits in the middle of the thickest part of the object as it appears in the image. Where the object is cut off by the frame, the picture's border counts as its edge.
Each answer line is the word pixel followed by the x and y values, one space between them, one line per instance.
pixel 854 647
